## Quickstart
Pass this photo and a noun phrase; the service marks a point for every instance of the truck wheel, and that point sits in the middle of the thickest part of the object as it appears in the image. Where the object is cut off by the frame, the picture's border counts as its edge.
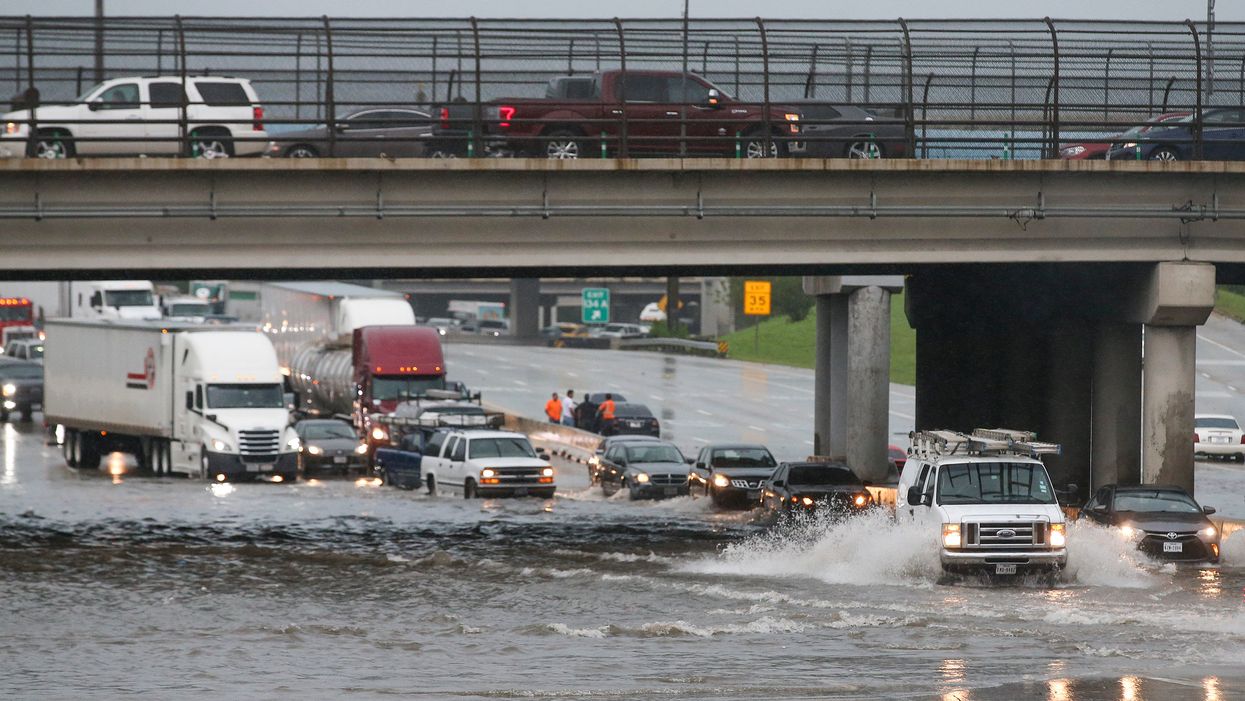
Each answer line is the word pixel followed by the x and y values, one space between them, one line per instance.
pixel 564 144
pixel 51 144
pixel 755 146
pixel 469 489
pixel 862 147
pixel 67 448
pixel 88 452
pixel 204 464
pixel 432 485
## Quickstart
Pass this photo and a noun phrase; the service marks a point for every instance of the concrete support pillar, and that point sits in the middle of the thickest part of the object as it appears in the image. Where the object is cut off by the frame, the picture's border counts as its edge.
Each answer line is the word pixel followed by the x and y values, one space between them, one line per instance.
pixel 1116 420
pixel 868 381
pixel 672 302
pixel 1067 421
pixel 717 316
pixel 525 308
pixel 830 380
pixel 1168 379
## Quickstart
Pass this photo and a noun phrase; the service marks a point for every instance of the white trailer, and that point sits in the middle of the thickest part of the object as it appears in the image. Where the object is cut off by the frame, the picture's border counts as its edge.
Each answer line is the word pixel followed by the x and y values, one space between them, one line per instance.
pixel 202 400
pixel 299 314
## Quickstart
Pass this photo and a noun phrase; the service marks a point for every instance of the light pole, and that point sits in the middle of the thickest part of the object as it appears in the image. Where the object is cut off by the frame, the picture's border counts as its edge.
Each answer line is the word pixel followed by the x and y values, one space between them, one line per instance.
pixel 1210 47
pixel 99 41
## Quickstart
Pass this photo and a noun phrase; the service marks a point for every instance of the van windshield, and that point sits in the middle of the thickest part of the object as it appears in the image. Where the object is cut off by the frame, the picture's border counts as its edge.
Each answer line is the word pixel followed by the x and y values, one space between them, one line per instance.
pixel 389 387
pixel 994 483
pixel 249 396
pixel 128 298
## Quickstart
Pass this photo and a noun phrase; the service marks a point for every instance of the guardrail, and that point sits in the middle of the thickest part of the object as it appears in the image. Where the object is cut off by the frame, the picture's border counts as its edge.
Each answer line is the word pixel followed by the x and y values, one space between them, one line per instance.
pixel 676 345
pixel 933 88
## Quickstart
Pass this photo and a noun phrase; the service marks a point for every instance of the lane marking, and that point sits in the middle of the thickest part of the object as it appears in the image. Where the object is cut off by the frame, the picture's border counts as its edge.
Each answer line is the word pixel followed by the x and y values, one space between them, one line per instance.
pixel 1229 349
pixel 1232 363
pixel 698 439
pixel 521 383
pixel 756 428
pixel 1213 395
pixel 1206 375
pixel 1233 388
pixel 656 398
pixel 702 412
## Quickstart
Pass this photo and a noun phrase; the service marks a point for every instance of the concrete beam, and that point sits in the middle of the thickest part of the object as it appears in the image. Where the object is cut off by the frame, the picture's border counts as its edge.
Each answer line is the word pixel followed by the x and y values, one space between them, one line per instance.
pixel 830 398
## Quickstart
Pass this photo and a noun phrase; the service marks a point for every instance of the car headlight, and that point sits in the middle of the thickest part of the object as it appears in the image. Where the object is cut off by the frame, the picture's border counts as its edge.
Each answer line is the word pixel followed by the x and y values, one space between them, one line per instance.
pixel 642 477
pixel 10 389
pixel 12 127
pixel 361 449
pixel 808 501
pixel 314 449
pixel 294 443
pixel 951 535
pixel 860 500
pixel 547 472
pixel 1073 151
pixel 1208 532
pixel 721 481
pixel 218 445
pixel 1058 535
pixel 1128 531
pixel 1131 144
pixel 379 433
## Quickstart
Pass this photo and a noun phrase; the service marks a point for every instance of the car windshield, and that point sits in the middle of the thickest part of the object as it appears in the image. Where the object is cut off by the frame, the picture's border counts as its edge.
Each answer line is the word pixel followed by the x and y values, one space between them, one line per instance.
pixel 1156 502
pixel 327 430
pixel 994 483
pixel 389 387
pixel 508 447
pixel 245 397
pixel 22 372
pixel 35 351
pixel 128 298
pixel 822 475
pixel 83 97
pixel 1211 422
pixel 653 453
pixel 743 457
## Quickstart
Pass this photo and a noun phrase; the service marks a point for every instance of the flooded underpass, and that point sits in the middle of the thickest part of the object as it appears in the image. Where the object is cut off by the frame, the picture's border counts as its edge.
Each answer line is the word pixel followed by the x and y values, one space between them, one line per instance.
pixel 116 586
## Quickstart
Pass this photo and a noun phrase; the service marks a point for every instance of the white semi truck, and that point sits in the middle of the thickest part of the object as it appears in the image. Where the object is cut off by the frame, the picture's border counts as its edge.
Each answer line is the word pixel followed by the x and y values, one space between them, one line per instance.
pixel 202 400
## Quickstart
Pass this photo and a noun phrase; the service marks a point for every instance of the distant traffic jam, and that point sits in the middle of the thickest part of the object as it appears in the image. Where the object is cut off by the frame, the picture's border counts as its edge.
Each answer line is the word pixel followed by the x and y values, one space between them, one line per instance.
pixel 302 380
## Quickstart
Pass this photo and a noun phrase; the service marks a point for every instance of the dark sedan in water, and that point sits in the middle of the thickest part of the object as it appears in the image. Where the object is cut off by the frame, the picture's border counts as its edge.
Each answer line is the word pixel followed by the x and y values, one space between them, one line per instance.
pixel 1223 138
pixel 799 487
pixel 732 474
pixel 329 445
pixel 21 384
pixel 392 131
pixel 645 470
pixel 1167 523
pixel 847 131
pixel 633 419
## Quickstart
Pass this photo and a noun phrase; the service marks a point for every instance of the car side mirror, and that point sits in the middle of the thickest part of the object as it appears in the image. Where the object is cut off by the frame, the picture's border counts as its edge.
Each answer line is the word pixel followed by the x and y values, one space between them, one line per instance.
pixel 210 417
pixel 691 461
pixel 714 99
pixel 914 497
pixel 94 105
pixel 1208 510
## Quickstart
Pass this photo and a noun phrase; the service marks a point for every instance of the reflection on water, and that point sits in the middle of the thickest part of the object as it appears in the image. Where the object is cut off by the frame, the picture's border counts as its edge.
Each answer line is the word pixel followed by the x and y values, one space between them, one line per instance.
pixel 1130 689
pixel 116 466
pixel 221 489
pixel 1210 685
pixel 1058 690
pixel 9 475
pixel 952 671
pixel 1209 583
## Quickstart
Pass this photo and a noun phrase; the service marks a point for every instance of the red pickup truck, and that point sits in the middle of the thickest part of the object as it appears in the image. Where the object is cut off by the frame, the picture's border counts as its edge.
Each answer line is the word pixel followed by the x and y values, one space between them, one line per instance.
pixel 655 112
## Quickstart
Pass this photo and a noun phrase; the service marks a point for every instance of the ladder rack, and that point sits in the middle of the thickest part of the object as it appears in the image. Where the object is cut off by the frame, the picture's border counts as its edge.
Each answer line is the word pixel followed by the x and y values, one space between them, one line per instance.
pixel 981 442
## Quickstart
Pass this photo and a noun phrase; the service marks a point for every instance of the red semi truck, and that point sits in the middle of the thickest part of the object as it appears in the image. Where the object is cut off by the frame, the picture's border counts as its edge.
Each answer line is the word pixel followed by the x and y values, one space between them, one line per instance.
pixel 384 366
pixel 661 113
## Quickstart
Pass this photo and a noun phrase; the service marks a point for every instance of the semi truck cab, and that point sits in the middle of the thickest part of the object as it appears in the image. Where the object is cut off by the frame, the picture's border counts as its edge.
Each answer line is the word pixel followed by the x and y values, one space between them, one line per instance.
pixel 989 499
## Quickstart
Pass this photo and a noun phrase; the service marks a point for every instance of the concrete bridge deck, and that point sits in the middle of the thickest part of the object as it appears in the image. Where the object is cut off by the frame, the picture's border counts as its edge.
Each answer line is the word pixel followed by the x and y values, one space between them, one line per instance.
pixel 457 217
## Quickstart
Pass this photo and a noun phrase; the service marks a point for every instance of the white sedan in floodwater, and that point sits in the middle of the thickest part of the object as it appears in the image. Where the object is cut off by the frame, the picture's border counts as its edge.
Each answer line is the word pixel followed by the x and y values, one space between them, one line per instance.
pixel 1218 435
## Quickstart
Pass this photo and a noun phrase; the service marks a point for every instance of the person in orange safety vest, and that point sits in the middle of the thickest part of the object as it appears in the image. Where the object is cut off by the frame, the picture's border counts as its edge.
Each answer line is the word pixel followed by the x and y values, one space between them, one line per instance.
pixel 606 410
pixel 553 409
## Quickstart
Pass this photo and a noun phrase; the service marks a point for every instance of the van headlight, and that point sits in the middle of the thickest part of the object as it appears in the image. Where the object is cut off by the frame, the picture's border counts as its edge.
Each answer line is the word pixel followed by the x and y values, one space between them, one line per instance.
pixel 951 535
pixel 721 481
pixel 547 472
pixel 379 433
pixel 219 446
pixel 488 472
pixel 1058 535
pixel 10 389
pixel 294 443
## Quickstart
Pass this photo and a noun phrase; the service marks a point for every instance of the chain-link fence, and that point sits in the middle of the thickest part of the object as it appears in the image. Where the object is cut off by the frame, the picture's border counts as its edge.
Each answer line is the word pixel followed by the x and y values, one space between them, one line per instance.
pixel 606 88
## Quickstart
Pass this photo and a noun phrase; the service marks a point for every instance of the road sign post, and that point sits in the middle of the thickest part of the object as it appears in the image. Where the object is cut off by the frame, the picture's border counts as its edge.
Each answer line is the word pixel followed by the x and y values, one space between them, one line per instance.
pixel 757 296
pixel 596 305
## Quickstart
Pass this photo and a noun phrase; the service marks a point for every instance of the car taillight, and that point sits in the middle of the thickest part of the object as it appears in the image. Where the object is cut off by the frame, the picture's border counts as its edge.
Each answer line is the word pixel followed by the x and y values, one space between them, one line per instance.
pixel 1198 439
pixel 505 113
pixel 1242 440
pixel 445 118
pixel 257 118
pixel 653 423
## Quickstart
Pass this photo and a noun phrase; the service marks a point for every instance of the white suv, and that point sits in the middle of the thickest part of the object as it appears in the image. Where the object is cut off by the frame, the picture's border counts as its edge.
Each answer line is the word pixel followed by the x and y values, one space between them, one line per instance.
pixel 481 463
pixel 1218 435
pixel 988 497
pixel 141 116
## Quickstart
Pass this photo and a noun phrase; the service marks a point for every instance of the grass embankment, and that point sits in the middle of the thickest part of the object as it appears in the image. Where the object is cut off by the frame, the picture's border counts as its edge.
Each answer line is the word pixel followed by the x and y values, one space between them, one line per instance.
pixel 785 342
pixel 1230 303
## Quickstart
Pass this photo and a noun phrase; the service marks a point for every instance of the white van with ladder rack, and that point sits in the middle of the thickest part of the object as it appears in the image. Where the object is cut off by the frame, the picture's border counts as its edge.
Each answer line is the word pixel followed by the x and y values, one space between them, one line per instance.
pixel 990 498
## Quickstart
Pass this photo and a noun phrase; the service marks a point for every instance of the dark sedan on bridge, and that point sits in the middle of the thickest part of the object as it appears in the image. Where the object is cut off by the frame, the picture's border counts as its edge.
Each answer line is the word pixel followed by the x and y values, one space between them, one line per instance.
pixel 393 132
pixel 847 131
pixel 1165 521
pixel 1097 149
pixel 804 487
pixel 1223 138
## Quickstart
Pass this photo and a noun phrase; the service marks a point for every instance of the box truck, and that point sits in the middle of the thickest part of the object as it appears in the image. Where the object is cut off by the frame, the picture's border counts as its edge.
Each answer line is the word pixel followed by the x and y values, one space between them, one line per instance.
pixel 202 400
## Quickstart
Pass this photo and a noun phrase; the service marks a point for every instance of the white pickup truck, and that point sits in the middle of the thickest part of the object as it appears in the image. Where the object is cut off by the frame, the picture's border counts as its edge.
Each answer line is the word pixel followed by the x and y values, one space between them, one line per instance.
pixel 990 499
pixel 483 463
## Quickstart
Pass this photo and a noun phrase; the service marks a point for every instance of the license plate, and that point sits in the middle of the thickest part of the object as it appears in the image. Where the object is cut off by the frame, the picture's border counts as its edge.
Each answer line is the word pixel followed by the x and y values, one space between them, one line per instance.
pixel 340 460
pixel 263 468
pixel 634 424
pixel 671 491
pixel 1005 569
pixel 1173 547
pixel 754 494
pixel 520 491
pixel 1218 439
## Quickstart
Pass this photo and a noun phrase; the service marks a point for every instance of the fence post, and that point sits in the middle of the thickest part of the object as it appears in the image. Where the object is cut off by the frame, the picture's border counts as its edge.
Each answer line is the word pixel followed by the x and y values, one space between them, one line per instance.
pixel 847 69
pixel 1167 92
pixel 1240 85
pixel 1053 148
pixel 683 98
pixel 298 76
pixel 929 78
pixel 1197 105
pixel 570 58
pixel 868 70
pixel 433 81
pixel 972 87
pixel 477 117
pixel 183 134
pixel 1011 139
pixel 330 94
pixel 810 81
pixel 32 94
pixel 909 110
pixel 1106 85
pixel 622 99
pixel 769 133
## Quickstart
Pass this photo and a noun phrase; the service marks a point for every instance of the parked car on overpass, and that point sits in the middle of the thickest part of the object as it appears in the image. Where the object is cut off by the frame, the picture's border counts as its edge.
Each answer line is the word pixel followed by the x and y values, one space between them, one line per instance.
pixel 1223 139
pixel 141 116
pixel 396 132
pixel 1097 149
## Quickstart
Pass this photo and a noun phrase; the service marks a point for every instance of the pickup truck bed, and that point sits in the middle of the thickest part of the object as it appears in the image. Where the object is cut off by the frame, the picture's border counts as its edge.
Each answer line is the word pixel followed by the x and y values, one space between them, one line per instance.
pixel 400 468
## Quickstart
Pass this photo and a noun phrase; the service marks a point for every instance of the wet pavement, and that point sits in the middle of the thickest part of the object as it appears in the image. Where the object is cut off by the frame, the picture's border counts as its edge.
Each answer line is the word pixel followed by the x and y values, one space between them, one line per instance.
pixel 117 586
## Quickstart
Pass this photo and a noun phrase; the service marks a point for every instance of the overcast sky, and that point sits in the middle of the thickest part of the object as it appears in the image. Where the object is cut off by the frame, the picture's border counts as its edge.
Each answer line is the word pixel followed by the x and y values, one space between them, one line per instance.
pixel 1226 10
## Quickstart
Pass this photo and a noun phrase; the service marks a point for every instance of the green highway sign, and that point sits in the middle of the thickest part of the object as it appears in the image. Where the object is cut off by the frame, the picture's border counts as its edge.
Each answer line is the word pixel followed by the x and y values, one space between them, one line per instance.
pixel 596 305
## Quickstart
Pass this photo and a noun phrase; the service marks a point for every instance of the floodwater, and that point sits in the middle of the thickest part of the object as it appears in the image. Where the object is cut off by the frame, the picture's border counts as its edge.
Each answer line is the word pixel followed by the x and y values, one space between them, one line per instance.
pixel 116 586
